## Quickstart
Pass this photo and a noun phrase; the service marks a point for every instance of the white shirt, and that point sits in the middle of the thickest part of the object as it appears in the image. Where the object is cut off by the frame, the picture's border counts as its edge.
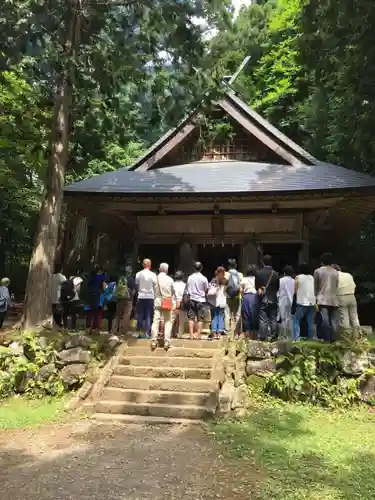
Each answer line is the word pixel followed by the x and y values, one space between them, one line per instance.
pixel 145 281
pixel 286 289
pixel 305 290
pixel 346 284
pixel 57 280
pixel 248 285
pixel 77 286
pixel 164 287
pixel 179 288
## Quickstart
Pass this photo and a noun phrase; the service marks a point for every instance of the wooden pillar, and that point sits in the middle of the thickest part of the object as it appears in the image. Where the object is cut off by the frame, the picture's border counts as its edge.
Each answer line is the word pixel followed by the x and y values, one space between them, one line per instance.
pixel 187 256
pixel 250 254
pixel 305 250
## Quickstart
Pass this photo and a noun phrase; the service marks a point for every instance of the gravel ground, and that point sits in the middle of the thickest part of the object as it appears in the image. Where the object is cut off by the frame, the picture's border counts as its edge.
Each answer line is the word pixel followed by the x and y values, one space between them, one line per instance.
pixel 90 461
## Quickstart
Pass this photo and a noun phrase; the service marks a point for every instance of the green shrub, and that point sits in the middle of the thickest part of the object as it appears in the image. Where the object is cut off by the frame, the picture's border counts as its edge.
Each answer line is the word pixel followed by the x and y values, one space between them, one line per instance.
pixel 312 372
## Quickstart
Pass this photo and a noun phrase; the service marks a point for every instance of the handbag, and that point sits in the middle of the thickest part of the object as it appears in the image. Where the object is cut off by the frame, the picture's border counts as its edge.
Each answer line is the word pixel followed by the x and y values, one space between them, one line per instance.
pixel 166 302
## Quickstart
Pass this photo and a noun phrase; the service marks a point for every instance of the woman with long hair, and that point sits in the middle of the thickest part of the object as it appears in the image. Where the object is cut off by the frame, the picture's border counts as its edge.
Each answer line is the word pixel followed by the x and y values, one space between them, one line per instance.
pixel 216 297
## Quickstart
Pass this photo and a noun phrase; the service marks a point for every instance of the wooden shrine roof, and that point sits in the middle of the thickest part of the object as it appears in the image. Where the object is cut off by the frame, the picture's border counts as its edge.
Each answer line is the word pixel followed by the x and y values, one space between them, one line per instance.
pixel 225 177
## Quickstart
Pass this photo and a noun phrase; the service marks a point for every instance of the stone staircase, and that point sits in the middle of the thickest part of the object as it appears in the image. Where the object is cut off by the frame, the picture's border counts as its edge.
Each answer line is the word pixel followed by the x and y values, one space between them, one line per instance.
pixel 176 386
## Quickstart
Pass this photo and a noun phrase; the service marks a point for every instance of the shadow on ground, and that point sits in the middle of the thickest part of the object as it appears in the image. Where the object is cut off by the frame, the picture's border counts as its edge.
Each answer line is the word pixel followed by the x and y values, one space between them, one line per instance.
pixel 305 453
pixel 94 462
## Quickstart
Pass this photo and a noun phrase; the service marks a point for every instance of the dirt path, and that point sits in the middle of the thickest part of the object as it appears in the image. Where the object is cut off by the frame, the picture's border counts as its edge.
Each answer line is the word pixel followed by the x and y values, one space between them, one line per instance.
pixel 86 461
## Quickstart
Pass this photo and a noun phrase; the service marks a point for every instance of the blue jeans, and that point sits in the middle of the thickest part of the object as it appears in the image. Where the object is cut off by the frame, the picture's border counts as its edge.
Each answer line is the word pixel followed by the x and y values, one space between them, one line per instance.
pixel 301 312
pixel 145 311
pixel 218 319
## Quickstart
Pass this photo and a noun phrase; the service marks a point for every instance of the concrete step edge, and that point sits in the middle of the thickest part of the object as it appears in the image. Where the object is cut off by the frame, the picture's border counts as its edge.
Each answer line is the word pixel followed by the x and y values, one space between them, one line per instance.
pixel 153 391
pixel 157 405
pixel 138 419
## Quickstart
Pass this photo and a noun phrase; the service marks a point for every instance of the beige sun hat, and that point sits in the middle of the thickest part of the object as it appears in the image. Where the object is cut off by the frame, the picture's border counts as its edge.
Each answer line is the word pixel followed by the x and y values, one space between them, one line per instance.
pixel 4 281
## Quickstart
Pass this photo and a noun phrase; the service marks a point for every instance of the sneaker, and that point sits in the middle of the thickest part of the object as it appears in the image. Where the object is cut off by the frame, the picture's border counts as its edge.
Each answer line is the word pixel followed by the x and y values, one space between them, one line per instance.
pixel 154 345
pixel 167 346
pixel 142 335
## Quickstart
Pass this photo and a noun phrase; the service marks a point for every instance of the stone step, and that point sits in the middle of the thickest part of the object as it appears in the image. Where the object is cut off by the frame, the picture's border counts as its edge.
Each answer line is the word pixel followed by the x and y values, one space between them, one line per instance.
pixel 174 352
pixel 162 384
pixel 186 343
pixel 169 361
pixel 154 410
pixel 162 372
pixel 139 419
pixel 158 397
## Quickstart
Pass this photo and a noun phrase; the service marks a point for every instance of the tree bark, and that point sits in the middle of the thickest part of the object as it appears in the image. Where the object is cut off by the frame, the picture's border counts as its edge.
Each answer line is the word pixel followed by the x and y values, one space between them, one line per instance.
pixel 37 311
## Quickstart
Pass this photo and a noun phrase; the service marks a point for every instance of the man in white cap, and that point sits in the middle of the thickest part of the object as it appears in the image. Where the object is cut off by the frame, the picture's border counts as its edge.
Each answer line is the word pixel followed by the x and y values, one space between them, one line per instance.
pixel 4 299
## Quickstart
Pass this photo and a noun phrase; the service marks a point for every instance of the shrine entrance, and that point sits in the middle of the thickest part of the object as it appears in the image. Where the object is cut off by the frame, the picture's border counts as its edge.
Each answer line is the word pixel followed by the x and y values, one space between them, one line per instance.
pixel 212 256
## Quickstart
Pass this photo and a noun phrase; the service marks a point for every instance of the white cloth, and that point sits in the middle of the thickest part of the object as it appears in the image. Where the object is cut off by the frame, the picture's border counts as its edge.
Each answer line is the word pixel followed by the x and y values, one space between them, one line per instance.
pixel 57 280
pixel 145 281
pixel 164 287
pixel 346 284
pixel 197 286
pixel 285 293
pixel 286 289
pixel 248 284
pixel 217 296
pixel 77 286
pixel 179 288
pixel 305 290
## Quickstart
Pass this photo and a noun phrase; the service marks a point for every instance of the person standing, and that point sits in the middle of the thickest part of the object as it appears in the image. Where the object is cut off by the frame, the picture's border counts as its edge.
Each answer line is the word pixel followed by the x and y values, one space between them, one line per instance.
pixel 216 296
pixel 326 280
pixel 95 298
pixel 233 307
pixel 163 304
pixel 125 292
pixel 348 314
pixel 305 302
pixel 4 299
pixel 179 314
pixel 286 292
pixel 57 280
pixel 196 289
pixel 250 303
pixel 110 302
pixel 70 296
pixel 145 282
pixel 267 285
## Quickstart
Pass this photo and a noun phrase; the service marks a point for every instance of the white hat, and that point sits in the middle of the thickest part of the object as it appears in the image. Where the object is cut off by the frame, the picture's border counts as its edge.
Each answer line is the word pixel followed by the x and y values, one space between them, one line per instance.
pixel 4 281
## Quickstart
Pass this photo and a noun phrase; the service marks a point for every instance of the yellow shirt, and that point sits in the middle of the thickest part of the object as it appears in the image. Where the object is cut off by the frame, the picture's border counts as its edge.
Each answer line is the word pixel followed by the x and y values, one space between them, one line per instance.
pixel 346 284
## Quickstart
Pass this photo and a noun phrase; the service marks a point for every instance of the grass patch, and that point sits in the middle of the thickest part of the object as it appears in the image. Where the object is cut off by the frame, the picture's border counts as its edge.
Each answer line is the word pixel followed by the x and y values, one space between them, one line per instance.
pixel 19 411
pixel 304 452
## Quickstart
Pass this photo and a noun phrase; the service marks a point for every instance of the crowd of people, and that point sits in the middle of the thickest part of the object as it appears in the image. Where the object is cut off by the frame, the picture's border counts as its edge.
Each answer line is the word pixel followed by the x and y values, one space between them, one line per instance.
pixel 259 303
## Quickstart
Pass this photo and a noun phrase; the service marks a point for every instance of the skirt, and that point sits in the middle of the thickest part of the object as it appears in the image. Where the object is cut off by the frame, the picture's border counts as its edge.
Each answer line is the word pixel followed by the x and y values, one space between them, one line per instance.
pixel 250 312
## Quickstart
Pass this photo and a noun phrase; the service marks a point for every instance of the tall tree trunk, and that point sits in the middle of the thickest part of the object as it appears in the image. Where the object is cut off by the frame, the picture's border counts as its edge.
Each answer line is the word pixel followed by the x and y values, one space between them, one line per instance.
pixel 37 311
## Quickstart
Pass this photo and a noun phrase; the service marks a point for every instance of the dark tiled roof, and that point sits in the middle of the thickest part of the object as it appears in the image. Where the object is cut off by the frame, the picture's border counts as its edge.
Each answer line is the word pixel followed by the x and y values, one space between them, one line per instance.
pixel 225 177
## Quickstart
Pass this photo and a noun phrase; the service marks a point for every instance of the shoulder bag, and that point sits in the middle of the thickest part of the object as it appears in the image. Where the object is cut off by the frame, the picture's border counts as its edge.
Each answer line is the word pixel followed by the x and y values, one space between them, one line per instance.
pixel 263 293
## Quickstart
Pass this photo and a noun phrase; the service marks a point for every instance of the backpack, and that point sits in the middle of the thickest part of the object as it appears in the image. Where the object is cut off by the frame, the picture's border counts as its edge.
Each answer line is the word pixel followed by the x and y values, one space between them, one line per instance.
pixel 109 294
pixel 233 287
pixel 68 291
pixel 122 289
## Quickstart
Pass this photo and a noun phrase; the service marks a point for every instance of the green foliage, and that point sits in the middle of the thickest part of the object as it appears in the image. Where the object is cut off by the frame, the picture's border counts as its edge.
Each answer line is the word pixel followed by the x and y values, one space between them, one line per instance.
pixel 20 411
pixel 313 373
pixel 20 373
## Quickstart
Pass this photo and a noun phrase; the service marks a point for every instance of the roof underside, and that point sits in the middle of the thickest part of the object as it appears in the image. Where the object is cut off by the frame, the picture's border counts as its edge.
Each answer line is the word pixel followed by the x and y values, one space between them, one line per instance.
pixel 225 177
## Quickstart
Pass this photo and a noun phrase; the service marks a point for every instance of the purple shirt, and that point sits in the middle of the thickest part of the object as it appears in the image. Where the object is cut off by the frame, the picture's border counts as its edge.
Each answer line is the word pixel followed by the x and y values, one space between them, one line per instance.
pixel 197 286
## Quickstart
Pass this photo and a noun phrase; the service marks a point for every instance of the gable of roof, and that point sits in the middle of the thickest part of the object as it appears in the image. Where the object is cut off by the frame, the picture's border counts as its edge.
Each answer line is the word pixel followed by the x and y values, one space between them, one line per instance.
pixel 242 114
